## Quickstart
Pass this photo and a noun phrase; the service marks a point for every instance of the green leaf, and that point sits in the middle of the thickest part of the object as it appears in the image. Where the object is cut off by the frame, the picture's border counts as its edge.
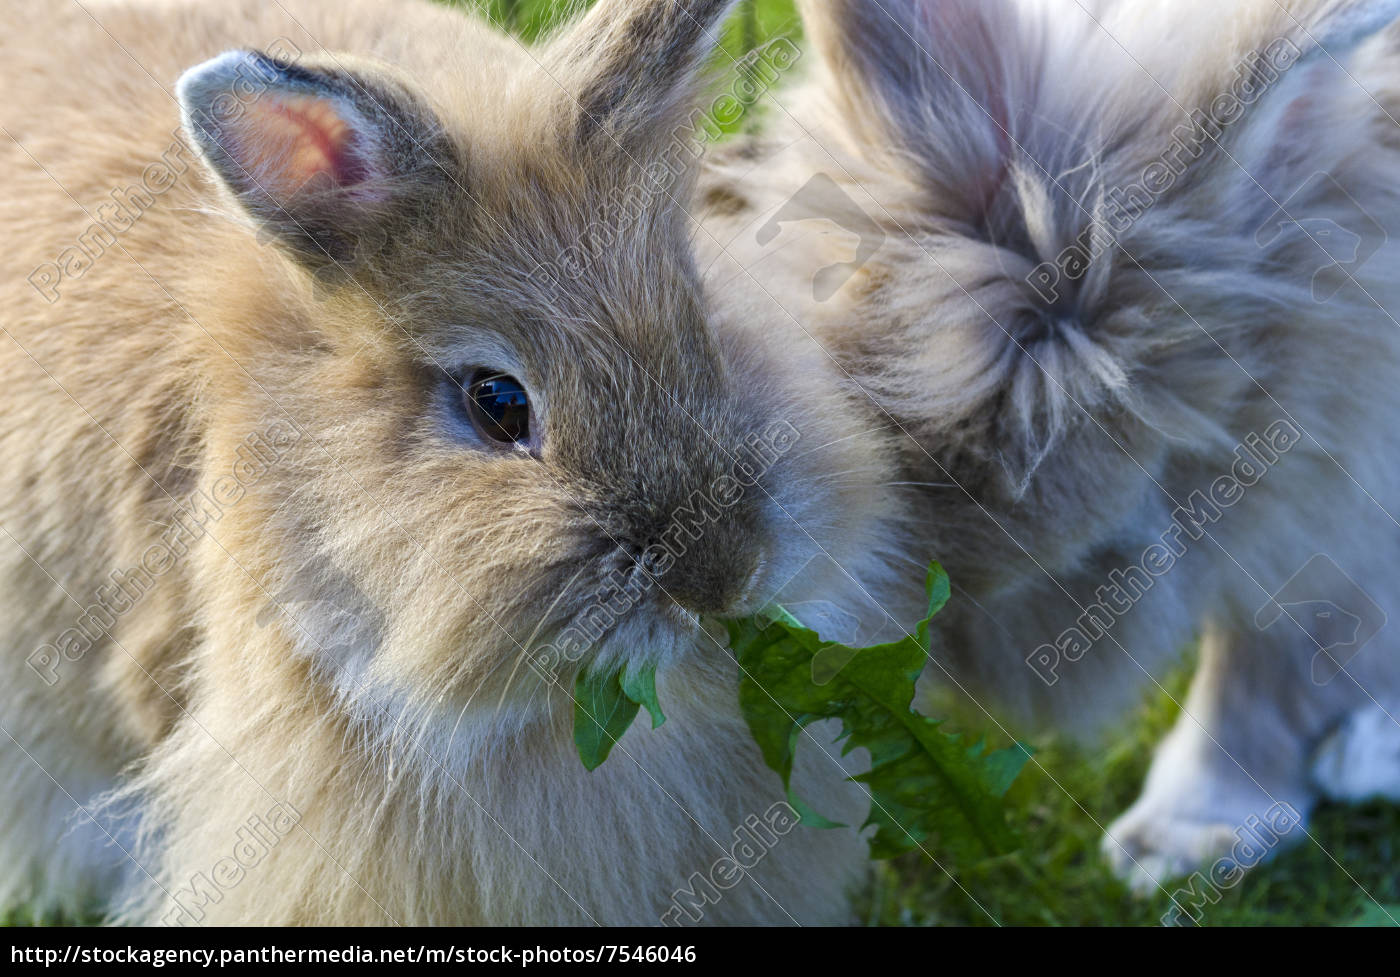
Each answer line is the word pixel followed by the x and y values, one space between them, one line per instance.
pixel 602 713
pixel 925 784
pixel 605 703
pixel 640 687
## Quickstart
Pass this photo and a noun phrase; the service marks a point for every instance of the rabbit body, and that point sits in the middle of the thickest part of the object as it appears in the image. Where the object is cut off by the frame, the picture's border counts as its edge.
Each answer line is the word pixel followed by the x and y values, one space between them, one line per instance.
pixel 1127 307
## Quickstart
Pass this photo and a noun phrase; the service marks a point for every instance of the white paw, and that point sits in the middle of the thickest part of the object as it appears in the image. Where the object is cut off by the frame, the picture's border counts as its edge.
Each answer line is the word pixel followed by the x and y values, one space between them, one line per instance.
pixel 1155 843
pixel 1148 852
pixel 1361 758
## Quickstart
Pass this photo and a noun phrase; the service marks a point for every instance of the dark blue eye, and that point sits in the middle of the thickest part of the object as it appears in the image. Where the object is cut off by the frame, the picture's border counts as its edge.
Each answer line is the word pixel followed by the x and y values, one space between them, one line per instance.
pixel 498 406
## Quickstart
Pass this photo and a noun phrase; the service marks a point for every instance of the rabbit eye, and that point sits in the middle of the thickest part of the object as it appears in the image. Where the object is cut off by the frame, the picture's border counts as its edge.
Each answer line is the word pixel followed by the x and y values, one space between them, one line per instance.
pixel 498 406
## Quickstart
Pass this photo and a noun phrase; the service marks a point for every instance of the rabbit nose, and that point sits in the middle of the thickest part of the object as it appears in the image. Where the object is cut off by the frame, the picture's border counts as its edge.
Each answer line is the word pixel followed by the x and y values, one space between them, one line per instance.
pixel 715 583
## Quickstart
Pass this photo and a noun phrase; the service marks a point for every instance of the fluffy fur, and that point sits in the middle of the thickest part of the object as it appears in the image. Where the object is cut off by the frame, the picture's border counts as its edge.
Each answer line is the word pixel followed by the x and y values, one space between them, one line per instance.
pixel 349 637
pixel 436 777
pixel 1050 441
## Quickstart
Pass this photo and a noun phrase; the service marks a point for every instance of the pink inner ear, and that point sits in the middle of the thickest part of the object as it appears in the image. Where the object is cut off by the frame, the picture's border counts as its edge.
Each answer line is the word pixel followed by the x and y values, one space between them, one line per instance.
pixel 286 141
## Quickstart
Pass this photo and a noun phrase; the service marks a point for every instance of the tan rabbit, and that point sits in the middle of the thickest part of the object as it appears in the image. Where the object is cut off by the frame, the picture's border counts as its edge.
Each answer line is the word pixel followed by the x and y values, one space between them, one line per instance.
pixel 306 462
pixel 1119 279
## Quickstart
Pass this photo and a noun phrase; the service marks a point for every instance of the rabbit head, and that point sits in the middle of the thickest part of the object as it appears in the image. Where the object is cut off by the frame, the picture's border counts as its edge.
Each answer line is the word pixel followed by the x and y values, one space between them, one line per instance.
pixel 1069 214
pixel 520 440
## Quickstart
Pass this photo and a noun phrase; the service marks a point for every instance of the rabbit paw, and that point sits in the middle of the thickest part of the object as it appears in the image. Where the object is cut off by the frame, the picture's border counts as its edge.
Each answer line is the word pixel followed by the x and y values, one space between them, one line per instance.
pixel 1150 845
pixel 1170 835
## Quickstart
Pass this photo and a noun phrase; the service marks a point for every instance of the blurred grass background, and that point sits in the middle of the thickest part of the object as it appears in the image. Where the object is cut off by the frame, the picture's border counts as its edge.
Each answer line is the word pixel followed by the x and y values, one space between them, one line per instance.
pixel 1351 862
pixel 1344 874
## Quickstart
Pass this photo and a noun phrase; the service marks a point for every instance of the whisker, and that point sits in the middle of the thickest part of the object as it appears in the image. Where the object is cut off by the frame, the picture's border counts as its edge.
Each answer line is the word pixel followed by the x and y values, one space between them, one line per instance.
pixel 563 592
pixel 828 476
pixel 525 651
pixel 821 447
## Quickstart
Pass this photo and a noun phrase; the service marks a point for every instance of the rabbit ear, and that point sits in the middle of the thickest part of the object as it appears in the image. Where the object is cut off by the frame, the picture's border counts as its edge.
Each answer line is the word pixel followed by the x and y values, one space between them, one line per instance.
pixel 1308 96
pixel 629 72
pixel 934 80
pixel 319 157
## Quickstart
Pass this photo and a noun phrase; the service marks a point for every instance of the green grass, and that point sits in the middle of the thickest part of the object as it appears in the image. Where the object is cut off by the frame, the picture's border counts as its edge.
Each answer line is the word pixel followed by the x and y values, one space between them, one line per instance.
pixel 25 917
pixel 755 21
pixel 1058 878
pixel 527 19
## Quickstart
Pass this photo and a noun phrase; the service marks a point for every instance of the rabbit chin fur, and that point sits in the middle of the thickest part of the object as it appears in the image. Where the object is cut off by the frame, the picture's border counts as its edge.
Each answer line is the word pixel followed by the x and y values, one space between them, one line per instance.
pixel 344 641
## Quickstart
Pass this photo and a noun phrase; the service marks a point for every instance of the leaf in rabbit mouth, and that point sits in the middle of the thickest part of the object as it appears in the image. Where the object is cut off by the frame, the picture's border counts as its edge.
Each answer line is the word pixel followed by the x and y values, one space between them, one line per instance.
pixel 605 703
pixel 924 784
